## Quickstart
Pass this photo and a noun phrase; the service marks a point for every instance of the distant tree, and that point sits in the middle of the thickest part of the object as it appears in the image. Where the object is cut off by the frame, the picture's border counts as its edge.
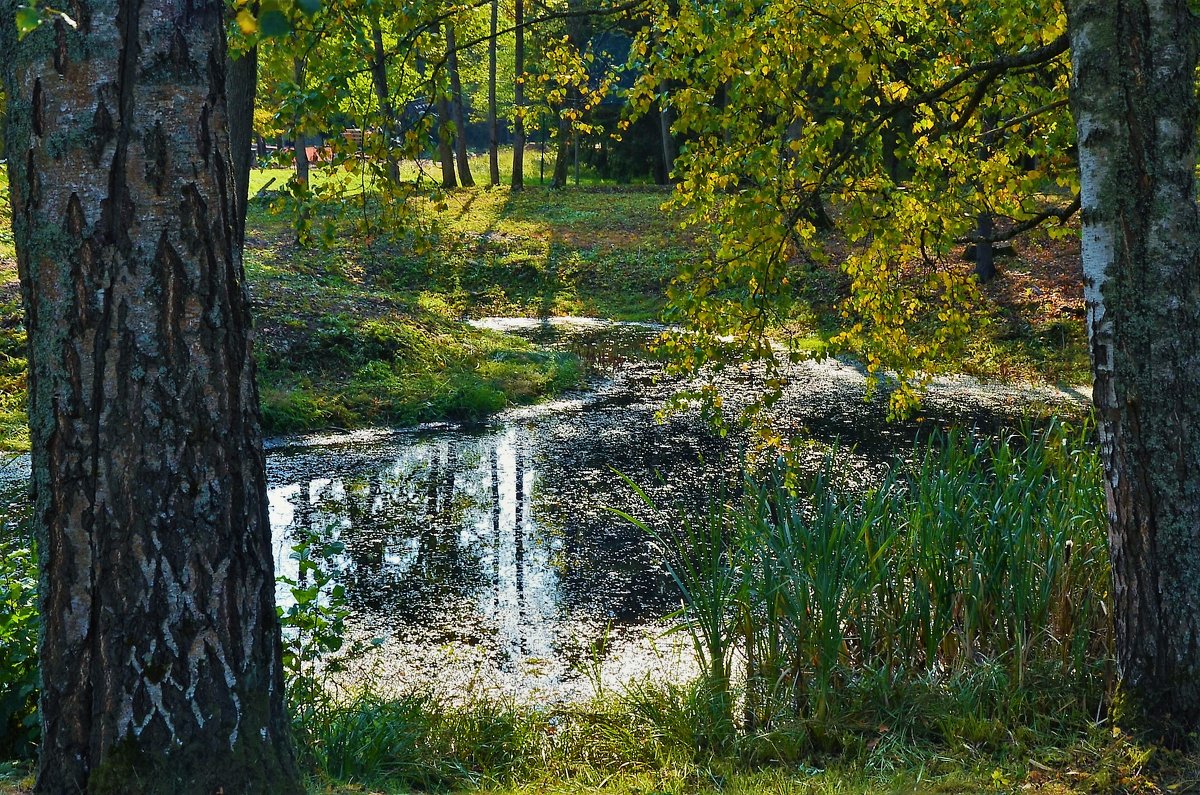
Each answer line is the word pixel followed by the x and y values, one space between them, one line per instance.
pixel 458 114
pixel 492 119
pixel 160 653
pixel 518 175
pixel 387 112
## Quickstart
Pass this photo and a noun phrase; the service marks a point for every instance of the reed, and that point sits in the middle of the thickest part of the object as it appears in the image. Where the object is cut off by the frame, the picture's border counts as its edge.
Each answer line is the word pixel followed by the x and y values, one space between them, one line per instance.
pixel 976 573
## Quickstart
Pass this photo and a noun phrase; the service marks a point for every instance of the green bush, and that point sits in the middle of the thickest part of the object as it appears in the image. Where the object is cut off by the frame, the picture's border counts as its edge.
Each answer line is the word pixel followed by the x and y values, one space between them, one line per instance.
pixel 19 680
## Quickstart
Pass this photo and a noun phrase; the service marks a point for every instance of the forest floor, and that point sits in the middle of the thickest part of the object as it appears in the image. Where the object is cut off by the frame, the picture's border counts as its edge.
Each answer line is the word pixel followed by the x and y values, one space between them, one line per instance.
pixel 368 329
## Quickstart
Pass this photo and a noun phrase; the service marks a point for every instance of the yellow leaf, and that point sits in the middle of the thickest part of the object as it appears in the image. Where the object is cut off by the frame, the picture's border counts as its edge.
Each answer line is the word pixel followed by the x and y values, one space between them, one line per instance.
pixel 247 22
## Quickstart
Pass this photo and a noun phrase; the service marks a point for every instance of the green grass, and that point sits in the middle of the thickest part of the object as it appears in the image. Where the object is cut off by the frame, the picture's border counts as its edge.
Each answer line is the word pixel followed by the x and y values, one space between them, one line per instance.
pixel 597 251
pixel 643 741
pixel 405 366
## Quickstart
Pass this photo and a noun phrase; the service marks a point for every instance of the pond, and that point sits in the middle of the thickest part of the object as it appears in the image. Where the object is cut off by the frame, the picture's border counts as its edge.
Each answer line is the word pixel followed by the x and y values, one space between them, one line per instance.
pixel 488 559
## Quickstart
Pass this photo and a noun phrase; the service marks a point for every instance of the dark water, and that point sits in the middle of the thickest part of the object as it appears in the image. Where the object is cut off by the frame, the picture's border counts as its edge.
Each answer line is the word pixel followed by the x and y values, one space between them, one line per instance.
pixel 487 558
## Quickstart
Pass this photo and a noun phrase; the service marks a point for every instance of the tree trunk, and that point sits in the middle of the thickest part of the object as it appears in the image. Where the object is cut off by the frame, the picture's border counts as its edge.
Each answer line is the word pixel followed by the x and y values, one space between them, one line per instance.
pixel 518 175
pixel 668 141
pixel 493 125
pixel 241 81
pixel 160 650
pixel 302 170
pixel 456 109
pixel 985 254
pixel 445 148
pixel 1136 112
pixel 386 111
pixel 562 157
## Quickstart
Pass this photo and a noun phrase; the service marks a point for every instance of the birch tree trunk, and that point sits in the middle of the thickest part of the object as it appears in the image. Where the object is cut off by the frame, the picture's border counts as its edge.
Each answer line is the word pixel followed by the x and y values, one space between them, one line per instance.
pixel 493 125
pixel 160 649
pixel 1136 113
pixel 518 175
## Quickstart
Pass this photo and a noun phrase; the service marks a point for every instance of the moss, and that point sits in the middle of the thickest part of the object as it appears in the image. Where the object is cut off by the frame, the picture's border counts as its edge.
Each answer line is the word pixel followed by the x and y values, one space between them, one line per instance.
pixel 124 764
pixel 248 767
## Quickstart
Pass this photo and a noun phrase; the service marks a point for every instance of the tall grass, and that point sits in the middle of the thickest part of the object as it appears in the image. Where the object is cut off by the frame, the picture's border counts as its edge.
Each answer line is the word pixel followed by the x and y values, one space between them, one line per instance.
pixel 975 576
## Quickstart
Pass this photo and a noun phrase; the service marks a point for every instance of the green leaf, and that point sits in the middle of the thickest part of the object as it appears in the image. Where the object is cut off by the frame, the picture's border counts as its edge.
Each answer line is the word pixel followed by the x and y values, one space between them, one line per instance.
pixel 272 22
pixel 309 6
pixel 28 19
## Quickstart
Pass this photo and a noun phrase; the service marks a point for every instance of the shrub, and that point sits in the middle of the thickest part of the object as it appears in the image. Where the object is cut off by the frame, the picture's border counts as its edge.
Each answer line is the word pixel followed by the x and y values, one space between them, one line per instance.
pixel 19 679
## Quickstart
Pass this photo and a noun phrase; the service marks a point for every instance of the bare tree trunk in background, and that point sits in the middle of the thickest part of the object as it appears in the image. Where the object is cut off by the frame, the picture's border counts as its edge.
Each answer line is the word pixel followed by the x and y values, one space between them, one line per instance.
pixel 445 149
pixel 518 175
pixel 985 254
pixel 1134 100
pixel 241 82
pixel 493 124
pixel 386 111
pixel 160 650
pixel 456 108
pixel 562 155
pixel 302 169
pixel 665 120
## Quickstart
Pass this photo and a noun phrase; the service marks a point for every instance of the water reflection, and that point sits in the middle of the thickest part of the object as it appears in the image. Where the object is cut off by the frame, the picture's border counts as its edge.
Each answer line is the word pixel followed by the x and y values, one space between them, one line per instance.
pixel 477 539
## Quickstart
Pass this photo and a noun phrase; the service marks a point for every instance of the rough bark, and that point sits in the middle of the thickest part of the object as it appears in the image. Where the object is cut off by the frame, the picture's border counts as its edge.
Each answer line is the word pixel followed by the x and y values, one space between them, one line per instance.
pixel 493 124
pixel 387 111
pixel 456 110
pixel 1136 113
pixel 160 649
pixel 518 175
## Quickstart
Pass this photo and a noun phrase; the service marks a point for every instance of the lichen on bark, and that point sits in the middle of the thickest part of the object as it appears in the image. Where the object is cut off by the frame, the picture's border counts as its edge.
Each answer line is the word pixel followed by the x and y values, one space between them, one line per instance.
pixel 1135 105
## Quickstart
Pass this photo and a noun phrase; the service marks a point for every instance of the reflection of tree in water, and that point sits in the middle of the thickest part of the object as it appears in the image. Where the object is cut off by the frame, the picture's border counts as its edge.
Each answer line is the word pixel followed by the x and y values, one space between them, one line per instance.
pixel 399 523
